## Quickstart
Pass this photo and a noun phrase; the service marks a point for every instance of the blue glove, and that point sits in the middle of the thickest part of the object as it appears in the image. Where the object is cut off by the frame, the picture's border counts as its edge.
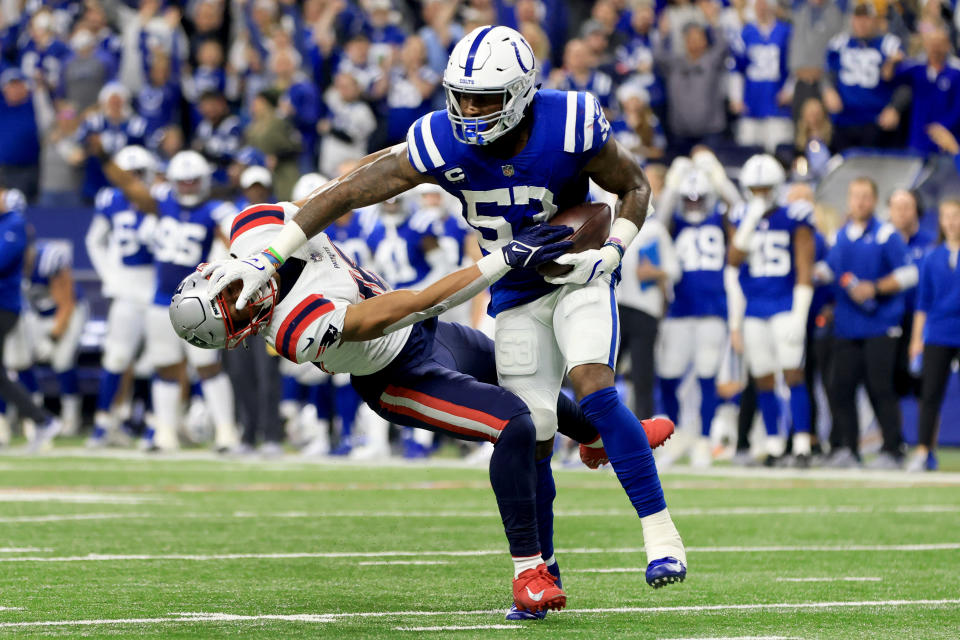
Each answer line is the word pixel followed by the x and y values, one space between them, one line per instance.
pixel 536 245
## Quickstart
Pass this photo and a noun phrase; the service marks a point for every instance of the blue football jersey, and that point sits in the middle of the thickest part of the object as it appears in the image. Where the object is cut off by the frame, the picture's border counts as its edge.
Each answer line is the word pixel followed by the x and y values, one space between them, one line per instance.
pixel 762 59
pixel 502 196
pixel 352 238
pixel 398 251
pixel 856 65
pixel 454 232
pixel 767 274
pixel 702 252
pixel 52 257
pixel 183 239
pixel 131 231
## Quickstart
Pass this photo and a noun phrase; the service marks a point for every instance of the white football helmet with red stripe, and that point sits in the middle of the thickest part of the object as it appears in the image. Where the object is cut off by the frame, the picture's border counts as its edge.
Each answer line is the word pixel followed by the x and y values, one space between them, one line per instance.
pixel 207 323
pixel 490 60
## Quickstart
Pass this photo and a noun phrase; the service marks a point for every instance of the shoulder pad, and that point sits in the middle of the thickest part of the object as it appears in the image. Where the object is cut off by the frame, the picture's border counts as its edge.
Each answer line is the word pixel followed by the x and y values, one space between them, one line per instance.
pixel 801 211
pixel 885 232
pixel 839 41
pixel 585 126
pixel 425 138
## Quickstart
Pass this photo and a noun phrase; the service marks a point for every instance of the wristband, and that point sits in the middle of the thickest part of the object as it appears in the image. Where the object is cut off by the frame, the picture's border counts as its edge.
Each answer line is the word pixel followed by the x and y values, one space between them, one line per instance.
pixel 617 244
pixel 623 231
pixel 290 238
pixel 493 266
pixel 273 257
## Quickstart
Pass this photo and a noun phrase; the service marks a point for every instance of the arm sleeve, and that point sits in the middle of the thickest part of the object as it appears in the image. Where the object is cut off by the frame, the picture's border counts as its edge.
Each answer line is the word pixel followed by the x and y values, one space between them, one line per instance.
pixel 668 255
pixel 97 241
pixel 310 328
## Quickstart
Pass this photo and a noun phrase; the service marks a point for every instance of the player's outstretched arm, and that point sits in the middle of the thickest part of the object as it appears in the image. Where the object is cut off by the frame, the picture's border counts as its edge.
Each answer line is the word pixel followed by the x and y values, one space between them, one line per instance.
pixel 395 310
pixel 380 176
pixel 616 170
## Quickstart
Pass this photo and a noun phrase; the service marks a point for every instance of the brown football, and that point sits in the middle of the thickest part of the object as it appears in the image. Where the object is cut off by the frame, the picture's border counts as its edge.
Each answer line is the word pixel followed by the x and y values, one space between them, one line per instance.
pixel 590 222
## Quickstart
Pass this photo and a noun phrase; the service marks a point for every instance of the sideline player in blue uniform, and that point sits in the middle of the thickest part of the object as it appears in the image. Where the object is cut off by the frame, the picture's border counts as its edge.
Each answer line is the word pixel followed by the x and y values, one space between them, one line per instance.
pixel 514 156
pixel 120 245
pixel 771 260
pixel 186 227
pixel 695 329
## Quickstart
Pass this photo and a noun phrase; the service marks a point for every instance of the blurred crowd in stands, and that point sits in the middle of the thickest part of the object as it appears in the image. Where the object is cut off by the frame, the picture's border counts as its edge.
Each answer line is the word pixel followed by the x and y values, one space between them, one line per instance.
pixel 268 91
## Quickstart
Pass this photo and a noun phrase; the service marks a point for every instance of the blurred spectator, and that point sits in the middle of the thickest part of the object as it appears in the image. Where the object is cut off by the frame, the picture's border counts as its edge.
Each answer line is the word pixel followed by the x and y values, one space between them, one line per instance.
pixel 348 125
pixel 580 73
pixel 694 78
pixel 299 101
pixel 936 91
pixel 19 133
pixel 904 213
pixel 61 160
pixel 44 54
pixel 207 20
pixel 634 58
pixel 158 102
pixel 860 63
pixel 87 69
pixel 209 76
pixel 219 134
pixel 759 95
pixel 650 267
pixel 677 14
pixel 358 63
pixel 813 139
pixel 815 23
pixel 278 139
pixel 870 266
pixel 256 186
pixel 638 129
pixel 386 37
pixel 440 32
pixel 412 85
pixel 936 332
pixel 538 41
pixel 242 160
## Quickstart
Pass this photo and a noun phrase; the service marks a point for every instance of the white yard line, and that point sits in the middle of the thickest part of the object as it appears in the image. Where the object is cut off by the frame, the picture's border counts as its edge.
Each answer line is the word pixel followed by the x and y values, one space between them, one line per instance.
pixel 96 557
pixel 26 495
pixel 468 627
pixel 22 549
pixel 205 617
pixel 562 513
pixel 834 579
pixel 740 638
pixel 375 563
pixel 11 608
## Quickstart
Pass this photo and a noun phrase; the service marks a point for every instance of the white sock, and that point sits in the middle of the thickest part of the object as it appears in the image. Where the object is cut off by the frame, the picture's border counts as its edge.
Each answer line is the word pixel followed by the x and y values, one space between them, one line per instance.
pixel 526 562
pixel 70 413
pixel 801 444
pixel 776 445
pixel 166 411
pixel 661 538
pixel 552 560
pixel 423 437
pixel 218 392
pixel 105 420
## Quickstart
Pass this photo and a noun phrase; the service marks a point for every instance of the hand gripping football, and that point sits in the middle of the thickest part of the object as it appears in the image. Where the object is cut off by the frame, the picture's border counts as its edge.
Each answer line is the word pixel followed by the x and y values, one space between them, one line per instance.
pixel 590 222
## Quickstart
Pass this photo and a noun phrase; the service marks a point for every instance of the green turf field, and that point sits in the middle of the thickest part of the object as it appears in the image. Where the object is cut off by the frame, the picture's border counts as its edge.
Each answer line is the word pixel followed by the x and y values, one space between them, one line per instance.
pixel 137 547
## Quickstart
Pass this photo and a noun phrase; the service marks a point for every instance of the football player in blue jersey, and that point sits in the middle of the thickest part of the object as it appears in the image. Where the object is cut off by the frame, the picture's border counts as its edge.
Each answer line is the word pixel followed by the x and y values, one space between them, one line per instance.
pixel 769 293
pixel 120 245
pixel 760 56
pixel 695 331
pixel 514 156
pixel 187 225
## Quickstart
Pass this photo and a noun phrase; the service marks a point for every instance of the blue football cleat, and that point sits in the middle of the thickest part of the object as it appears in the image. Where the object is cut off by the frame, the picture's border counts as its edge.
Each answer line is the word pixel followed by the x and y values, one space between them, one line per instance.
pixel 520 614
pixel 342 449
pixel 931 462
pixel 664 571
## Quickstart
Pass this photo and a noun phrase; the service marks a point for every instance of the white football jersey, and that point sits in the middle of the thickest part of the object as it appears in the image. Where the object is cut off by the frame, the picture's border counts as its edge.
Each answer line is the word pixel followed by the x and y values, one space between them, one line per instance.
pixel 307 322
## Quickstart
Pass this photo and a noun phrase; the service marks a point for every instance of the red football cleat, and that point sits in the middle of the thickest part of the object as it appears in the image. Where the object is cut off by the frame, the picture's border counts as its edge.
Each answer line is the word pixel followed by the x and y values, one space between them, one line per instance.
pixel 536 589
pixel 658 430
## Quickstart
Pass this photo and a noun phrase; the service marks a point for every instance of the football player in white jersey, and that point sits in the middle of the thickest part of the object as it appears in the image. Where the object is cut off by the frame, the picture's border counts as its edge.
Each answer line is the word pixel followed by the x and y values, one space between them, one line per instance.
pixel 120 245
pixel 514 156
pixel 409 368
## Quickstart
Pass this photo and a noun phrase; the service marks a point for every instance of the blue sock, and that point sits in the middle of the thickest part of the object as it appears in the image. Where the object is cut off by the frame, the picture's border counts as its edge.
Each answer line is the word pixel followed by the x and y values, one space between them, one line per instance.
pixel 3 403
pixel 290 389
pixel 770 410
pixel 514 483
pixel 109 384
pixel 68 382
pixel 800 408
pixel 668 396
pixel 29 380
pixel 628 449
pixel 319 396
pixel 708 404
pixel 546 493
pixel 347 401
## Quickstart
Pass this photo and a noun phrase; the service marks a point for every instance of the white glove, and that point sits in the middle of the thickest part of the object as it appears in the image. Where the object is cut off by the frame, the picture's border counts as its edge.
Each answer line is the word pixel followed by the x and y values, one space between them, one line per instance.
pixel 254 271
pixel 587 265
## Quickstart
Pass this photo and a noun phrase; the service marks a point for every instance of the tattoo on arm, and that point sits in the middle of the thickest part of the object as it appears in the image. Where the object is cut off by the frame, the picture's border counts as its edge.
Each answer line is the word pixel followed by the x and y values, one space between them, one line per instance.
pixel 616 170
pixel 387 174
